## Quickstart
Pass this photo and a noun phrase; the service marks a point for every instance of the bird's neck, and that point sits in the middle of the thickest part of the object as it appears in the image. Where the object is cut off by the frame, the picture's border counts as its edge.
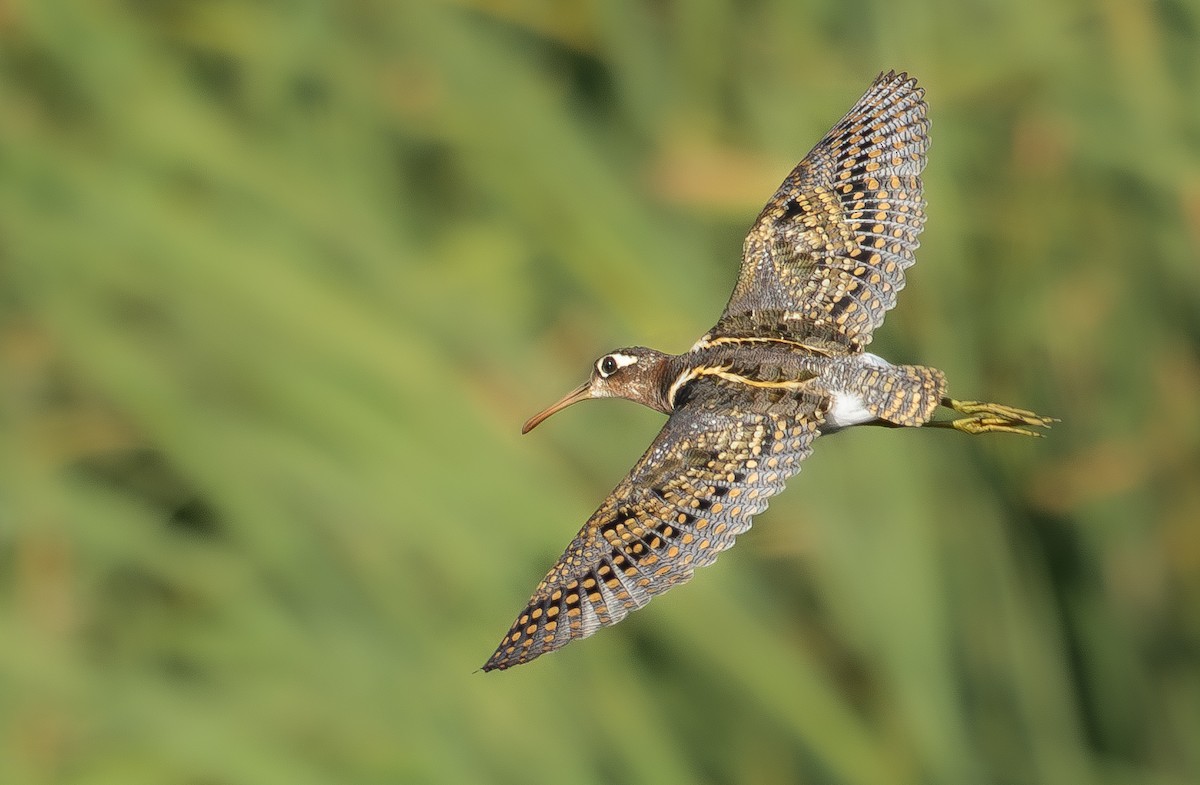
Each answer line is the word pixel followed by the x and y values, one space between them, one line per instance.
pixel 667 375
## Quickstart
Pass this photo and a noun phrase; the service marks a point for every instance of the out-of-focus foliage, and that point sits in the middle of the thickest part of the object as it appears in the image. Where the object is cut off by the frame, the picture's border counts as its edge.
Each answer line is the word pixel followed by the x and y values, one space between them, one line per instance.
pixel 279 282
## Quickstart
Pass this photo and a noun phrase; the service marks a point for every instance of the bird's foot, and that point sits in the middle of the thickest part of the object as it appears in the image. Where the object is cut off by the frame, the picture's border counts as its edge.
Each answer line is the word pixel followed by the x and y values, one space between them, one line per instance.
pixel 992 417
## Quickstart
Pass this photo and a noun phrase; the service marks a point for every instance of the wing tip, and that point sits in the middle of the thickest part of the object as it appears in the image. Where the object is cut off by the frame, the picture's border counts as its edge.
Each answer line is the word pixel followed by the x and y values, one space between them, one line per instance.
pixel 897 79
pixel 511 653
pixel 895 88
pixel 524 641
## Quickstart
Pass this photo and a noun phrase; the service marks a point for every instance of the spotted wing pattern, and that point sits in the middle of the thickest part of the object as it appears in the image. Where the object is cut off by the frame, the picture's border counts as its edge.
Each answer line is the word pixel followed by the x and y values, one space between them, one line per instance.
pixel 723 452
pixel 828 252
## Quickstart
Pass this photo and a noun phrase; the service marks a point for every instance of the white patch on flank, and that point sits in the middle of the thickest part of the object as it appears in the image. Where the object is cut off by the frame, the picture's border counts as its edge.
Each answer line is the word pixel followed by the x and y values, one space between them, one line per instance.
pixel 847 410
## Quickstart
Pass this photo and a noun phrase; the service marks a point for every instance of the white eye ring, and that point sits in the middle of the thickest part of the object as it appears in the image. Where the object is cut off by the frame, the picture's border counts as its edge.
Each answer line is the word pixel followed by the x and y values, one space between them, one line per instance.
pixel 607 365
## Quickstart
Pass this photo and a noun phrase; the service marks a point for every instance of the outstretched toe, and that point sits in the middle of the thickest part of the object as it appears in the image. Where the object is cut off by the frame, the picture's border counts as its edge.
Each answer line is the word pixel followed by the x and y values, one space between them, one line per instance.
pixel 983 417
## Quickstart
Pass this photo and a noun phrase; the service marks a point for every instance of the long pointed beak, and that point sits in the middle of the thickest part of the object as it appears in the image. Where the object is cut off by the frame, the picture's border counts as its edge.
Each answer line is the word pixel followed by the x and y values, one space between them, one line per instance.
pixel 580 393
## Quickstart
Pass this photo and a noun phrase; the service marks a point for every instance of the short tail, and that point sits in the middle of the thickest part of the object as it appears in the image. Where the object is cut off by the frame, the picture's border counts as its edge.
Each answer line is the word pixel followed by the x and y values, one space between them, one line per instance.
pixel 905 395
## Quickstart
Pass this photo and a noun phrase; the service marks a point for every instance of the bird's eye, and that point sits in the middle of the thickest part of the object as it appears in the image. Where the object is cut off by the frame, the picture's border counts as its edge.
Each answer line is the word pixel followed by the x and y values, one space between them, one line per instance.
pixel 608 366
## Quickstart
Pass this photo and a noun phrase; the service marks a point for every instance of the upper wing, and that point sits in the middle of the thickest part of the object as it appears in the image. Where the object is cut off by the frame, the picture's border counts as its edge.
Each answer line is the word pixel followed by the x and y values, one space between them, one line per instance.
pixel 713 466
pixel 828 252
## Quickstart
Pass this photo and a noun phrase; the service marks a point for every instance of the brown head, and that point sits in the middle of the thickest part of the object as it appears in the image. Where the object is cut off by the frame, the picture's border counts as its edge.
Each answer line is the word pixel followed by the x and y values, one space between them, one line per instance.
pixel 636 373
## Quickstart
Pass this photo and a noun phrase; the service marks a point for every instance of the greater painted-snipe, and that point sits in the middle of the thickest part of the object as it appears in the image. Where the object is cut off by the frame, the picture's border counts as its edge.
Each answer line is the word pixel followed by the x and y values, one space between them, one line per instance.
pixel 784 364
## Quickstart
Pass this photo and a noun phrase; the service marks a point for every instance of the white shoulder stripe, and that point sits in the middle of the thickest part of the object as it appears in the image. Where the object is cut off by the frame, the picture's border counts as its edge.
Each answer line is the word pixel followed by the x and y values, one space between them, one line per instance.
pixel 686 376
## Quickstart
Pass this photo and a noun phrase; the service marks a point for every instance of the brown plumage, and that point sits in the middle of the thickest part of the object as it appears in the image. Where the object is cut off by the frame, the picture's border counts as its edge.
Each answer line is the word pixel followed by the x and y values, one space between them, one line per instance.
pixel 785 363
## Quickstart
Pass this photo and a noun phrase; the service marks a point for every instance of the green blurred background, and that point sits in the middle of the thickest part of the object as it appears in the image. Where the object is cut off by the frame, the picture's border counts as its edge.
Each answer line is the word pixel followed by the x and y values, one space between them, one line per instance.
pixel 279 282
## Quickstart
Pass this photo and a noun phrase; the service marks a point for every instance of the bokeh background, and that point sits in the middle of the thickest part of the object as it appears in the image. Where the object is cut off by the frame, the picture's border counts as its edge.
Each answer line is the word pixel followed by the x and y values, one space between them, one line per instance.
pixel 279 282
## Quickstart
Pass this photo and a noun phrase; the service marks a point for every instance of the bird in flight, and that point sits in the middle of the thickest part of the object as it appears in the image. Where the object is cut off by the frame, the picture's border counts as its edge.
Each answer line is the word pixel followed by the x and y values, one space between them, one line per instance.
pixel 784 364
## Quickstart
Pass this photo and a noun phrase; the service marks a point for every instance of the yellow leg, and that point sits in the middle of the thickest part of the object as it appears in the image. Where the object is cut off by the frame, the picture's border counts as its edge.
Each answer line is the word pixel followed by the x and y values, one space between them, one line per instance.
pixel 991 417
